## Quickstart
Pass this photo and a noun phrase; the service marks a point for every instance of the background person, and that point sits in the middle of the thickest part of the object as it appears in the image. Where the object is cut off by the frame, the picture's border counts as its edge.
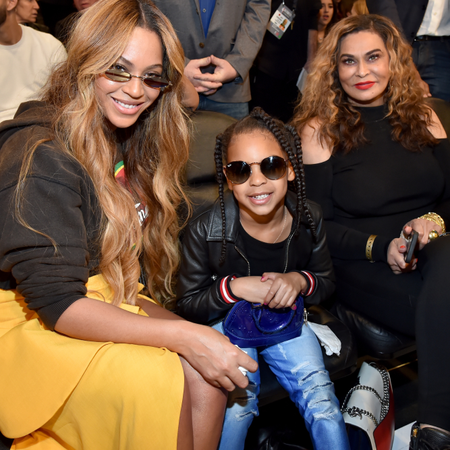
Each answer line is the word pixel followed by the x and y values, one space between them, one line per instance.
pixel 64 26
pixel 426 26
pixel 27 13
pixel 280 61
pixel 90 185
pixel 220 41
pixel 54 10
pixel 353 7
pixel 327 16
pixel 377 160
pixel 28 57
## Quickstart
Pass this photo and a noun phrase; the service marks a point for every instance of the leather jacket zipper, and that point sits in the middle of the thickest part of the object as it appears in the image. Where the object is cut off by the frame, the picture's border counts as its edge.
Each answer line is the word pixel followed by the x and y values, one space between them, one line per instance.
pixel 287 252
pixel 246 260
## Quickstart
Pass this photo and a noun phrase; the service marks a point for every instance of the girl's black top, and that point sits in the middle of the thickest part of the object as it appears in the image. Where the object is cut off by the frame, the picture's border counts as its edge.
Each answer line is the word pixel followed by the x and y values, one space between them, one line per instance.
pixel 263 257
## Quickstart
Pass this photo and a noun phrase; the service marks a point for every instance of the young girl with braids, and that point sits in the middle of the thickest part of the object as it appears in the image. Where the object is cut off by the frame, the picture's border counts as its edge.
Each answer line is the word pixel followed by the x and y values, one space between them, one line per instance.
pixel 263 243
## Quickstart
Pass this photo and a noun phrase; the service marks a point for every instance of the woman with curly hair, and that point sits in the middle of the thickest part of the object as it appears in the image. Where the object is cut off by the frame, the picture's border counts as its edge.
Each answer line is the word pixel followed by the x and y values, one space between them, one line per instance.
pixel 378 161
pixel 89 191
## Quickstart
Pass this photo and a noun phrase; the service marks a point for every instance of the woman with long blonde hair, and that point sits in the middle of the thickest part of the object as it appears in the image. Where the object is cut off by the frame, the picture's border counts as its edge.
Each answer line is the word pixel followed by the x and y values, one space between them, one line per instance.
pixel 377 160
pixel 89 191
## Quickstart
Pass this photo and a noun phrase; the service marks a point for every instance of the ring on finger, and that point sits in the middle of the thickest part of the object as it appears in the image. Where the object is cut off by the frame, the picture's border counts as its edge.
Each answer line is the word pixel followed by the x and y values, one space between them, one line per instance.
pixel 432 235
pixel 403 236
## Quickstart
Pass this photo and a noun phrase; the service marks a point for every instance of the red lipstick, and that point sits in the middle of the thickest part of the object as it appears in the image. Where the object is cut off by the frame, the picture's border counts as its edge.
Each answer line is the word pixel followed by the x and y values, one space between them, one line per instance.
pixel 365 85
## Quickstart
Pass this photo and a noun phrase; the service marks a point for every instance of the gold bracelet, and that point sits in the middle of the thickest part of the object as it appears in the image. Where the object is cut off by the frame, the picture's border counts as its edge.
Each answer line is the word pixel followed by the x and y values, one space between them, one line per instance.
pixel 436 218
pixel 369 247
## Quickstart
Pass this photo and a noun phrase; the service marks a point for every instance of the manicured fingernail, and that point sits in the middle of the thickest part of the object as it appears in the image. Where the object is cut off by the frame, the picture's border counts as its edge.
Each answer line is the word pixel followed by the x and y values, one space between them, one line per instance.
pixel 265 304
pixel 402 246
pixel 294 307
pixel 263 278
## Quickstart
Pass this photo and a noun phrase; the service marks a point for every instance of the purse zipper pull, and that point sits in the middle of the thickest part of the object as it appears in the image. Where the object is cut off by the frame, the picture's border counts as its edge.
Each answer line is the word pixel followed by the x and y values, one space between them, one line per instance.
pixel 305 316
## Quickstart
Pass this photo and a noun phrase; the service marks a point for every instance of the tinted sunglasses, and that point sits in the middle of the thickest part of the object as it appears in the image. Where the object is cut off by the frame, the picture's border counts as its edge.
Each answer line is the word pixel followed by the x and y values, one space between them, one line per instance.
pixel 121 76
pixel 272 167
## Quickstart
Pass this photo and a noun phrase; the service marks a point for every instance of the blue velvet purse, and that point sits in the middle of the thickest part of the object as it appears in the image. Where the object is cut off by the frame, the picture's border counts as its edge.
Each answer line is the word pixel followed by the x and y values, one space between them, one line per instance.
pixel 256 325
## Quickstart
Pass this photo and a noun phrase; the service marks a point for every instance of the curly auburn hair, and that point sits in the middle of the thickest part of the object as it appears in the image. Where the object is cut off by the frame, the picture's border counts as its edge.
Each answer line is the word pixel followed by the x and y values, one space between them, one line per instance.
pixel 289 141
pixel 340 124
pixel 155 149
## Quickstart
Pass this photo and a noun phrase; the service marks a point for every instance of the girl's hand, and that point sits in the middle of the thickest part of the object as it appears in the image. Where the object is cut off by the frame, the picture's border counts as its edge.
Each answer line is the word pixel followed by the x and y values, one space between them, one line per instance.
pixel 423 227
pixel 396 257
pixel 251 289
pixel 214 356
pixel 284 289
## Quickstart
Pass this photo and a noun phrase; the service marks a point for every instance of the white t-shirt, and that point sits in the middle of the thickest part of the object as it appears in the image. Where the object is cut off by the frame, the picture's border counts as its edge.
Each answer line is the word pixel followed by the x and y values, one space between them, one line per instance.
pixel 25 68
pixel 436 21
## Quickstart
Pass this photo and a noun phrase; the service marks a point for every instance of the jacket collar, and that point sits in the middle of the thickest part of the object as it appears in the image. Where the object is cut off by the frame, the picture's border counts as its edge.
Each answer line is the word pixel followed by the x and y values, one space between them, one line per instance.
pixel 232 217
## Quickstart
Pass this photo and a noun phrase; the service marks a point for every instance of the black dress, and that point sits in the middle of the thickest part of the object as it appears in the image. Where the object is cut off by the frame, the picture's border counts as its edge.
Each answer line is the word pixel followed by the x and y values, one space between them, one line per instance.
pixel 377 189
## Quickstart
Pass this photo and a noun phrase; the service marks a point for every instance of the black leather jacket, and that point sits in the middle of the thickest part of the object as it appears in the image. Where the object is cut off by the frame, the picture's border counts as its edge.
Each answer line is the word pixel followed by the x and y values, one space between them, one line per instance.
pixel 199 288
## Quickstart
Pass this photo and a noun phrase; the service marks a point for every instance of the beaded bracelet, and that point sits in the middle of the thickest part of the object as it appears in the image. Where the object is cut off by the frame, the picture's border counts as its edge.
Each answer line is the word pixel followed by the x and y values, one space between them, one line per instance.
pixel 369 247
pixel 436 218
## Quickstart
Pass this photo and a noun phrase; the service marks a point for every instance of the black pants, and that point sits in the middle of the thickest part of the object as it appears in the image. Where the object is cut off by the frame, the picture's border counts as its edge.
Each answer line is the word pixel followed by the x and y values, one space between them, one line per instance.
pixel 432 59
pixel 417 304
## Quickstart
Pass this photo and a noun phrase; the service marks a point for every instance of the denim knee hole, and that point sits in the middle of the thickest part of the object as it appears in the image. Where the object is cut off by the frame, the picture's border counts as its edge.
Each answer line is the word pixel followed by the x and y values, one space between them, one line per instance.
pixel 244 415
pixel 300 366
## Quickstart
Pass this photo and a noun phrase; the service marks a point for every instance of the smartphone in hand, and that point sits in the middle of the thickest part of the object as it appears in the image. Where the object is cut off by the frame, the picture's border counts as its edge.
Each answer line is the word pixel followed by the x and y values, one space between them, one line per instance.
pixel 411 245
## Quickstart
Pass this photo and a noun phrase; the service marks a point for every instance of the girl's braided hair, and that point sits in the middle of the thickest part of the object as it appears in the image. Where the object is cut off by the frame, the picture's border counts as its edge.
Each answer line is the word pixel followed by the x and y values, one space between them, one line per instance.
pixel 289 141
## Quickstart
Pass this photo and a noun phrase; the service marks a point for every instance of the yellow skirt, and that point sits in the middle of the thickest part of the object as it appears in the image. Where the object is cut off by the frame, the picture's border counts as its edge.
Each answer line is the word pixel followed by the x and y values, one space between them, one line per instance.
pixel 57 392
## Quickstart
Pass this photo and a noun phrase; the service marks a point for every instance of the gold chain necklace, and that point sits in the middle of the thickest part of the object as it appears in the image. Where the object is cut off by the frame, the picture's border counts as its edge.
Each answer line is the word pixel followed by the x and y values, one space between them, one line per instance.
pixel 284 225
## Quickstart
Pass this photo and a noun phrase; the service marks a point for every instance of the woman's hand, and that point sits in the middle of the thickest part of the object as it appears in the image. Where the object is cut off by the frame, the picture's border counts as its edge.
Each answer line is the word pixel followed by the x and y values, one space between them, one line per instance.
pixel 284 289
pixel 252 289
pixel 205 349
pixel 214 357
pixel 396 257
pixel 423 227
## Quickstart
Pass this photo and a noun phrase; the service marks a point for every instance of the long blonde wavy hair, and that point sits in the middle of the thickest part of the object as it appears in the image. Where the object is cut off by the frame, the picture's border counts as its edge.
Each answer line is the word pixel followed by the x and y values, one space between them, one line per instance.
pixel 325 100
pixel 155 148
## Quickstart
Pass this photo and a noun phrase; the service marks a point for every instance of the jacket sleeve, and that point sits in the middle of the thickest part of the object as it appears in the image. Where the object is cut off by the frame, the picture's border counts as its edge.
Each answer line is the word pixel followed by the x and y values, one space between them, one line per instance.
pixel 344 242
pixel 49 275
pixel 200 291
pixel 249 36
pixel 320 265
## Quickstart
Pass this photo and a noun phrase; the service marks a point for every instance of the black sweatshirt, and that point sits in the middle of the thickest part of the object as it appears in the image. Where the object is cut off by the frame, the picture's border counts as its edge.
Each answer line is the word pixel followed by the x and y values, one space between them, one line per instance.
pixel 60 202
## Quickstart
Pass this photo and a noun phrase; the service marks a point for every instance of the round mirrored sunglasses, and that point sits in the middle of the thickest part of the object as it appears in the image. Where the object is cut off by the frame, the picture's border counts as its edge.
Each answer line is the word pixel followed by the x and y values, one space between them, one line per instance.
pixel 272 167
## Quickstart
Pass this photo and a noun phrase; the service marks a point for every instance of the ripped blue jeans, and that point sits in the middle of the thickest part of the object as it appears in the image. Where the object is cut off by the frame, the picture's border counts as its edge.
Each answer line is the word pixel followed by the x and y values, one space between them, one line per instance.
pixel 299 367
